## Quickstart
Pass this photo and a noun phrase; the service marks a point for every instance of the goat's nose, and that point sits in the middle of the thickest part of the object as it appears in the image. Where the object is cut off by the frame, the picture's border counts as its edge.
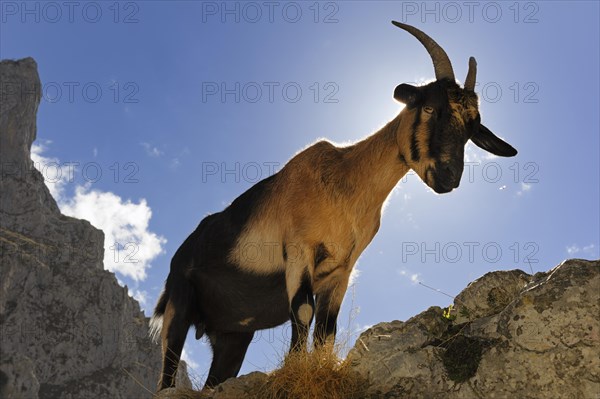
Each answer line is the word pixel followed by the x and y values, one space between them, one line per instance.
pixel 453 174
pixel 450 172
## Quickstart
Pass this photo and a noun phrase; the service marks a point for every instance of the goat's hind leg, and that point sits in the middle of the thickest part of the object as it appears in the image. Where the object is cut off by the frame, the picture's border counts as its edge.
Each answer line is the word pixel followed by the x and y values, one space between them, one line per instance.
pixel 173 334
pixel 229 350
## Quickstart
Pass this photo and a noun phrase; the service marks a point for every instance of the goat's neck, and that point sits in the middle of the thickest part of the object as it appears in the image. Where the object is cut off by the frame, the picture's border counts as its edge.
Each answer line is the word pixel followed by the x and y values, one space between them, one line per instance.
pixel 373 167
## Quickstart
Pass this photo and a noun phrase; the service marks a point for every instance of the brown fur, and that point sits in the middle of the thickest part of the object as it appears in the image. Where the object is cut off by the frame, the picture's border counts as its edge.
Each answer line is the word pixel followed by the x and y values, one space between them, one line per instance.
pixel 318 185
pixel 347 185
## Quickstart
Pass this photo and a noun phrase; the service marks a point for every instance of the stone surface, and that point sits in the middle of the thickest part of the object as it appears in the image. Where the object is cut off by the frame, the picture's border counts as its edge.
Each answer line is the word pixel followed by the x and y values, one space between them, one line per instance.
pixel 489 294
pixel 68 329
pixel 17 377
pixel 242 387
pixel 517 336
pixel 246 386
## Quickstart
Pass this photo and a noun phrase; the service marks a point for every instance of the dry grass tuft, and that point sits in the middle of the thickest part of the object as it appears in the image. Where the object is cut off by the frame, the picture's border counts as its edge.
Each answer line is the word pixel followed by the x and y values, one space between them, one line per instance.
pixel 314 375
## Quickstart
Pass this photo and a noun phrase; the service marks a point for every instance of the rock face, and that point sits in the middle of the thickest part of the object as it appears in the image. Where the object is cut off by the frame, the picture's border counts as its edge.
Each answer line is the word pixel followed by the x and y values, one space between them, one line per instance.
pixel 514 335
pixel 68 329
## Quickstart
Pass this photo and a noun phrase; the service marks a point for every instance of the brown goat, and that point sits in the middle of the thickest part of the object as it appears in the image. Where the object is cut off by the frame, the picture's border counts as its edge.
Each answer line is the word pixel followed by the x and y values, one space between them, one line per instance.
pixel 284 249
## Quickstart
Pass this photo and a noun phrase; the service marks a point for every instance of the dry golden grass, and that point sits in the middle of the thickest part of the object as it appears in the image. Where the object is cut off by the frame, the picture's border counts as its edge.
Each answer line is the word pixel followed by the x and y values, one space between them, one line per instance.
pixel 313 375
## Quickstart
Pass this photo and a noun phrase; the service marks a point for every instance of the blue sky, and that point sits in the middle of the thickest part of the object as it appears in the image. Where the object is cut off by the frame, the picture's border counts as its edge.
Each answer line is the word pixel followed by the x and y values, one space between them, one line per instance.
pixel 155 114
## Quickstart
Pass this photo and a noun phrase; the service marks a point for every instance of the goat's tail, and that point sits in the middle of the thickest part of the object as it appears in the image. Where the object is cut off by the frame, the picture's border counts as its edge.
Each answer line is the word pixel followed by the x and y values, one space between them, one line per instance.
pixel 157 318
pixel 179 293
pixel 180 299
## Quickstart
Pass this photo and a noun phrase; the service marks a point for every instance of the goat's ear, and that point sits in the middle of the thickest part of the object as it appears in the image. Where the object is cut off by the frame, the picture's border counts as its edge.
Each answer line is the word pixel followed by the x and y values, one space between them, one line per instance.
pixel 487 140
pixel 407 94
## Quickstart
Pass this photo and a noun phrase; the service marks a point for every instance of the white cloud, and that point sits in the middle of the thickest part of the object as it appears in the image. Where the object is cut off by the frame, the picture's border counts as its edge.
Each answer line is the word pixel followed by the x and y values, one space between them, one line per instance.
pixel 187 357
pixel 573 249
pixel 524 188
pixel 129 245
pixel 56 176
pixel 175 162
pixel 140 296
pixel 151 150
pixel 471 154
pixel 414 278
pixel 589 250
pixel 477 156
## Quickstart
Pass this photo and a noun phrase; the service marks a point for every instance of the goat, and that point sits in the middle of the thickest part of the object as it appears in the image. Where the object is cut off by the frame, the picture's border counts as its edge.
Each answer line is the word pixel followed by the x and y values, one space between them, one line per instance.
pixel 285 248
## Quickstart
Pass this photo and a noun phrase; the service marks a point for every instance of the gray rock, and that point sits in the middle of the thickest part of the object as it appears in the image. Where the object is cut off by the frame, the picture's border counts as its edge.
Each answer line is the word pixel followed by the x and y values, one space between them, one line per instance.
pixel 20 95
pixel 17 378
pixel 489 294
pixel 518 336
pixel 68 329
pixel 245 386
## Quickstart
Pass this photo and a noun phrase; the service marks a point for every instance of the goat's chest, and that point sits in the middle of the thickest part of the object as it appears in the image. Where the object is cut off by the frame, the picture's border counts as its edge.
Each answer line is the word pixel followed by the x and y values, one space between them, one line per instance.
pixel 335 257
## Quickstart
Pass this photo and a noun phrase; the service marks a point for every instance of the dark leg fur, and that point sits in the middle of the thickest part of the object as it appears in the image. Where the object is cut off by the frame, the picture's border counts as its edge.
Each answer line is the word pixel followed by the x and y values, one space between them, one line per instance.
pixel 298 315
pixel 326 320
pixel 229 350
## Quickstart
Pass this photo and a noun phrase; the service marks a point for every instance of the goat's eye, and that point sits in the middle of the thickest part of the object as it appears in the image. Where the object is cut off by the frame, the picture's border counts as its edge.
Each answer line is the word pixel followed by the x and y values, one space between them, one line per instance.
pixel 427 109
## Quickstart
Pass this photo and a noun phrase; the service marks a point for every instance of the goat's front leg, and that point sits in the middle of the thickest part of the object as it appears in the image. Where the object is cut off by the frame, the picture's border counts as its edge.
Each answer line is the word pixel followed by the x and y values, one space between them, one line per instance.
pixel 329 302
pixel 302 305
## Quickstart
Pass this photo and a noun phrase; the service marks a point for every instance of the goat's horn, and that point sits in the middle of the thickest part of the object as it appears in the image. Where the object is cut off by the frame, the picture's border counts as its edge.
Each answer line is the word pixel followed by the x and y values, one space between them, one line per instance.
pixel 441 62
pixel 471 75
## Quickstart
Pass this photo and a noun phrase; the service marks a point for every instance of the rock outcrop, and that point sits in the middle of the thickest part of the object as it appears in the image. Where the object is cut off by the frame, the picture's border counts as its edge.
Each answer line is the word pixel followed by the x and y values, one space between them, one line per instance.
pixel 513 336
pixel 68 329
